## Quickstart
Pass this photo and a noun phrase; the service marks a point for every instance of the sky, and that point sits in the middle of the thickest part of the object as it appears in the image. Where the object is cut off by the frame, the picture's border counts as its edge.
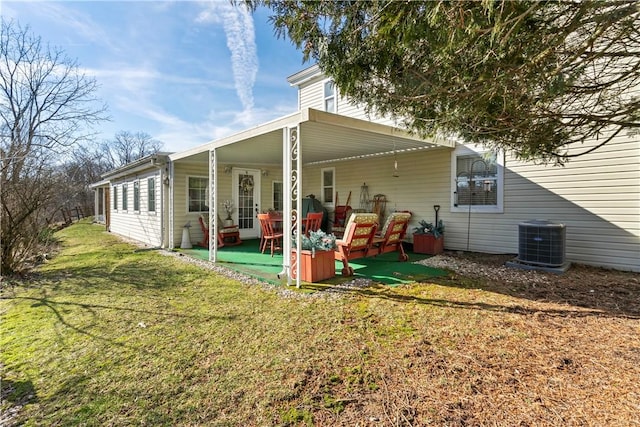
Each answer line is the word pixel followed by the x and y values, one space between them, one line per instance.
pixel 184 72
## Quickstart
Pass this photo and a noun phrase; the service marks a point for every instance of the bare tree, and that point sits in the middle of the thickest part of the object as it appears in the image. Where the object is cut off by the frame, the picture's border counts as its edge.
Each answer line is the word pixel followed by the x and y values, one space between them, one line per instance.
pixel 127 147
pixel 47 106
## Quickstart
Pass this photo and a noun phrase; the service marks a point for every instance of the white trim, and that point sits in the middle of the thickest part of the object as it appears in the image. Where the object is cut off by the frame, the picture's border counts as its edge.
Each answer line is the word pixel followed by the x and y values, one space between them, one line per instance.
pixel 247 233
pixel 125 197
pixel 273 201
pixel 305 75
pixel 213 208
pixel 187 211
pixel 477 150
pixel 114 197
pixel 155 199
pixel 332 203
pixel 325 97
pixel 171 206
pixel 136 181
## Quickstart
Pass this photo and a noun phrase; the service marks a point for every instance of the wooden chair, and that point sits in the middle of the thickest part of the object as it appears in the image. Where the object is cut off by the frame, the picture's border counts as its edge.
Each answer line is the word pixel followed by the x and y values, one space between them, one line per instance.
pixel 392 234
pixel 312 222
pixel 205 232
pixel 357 240
pixel 269 233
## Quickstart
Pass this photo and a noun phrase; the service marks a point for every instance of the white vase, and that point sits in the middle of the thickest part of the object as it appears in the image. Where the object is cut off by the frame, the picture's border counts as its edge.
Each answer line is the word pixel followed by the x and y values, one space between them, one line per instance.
pixel 228 223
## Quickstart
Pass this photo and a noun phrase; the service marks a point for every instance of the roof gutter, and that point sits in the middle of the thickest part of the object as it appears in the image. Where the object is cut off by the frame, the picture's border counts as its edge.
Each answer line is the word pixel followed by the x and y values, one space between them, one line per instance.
pixel 139 165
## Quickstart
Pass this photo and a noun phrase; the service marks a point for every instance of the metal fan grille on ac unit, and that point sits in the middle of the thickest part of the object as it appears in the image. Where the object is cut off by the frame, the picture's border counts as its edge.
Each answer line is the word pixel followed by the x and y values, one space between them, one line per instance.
pixel 541 242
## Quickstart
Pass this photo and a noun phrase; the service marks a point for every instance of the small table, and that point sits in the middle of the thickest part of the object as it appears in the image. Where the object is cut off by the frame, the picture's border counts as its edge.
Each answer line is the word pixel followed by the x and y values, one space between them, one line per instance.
pixel 229 236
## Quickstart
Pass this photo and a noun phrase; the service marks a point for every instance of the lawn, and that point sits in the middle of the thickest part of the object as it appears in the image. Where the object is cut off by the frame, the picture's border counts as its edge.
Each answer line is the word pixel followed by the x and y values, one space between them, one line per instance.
pixel 107 334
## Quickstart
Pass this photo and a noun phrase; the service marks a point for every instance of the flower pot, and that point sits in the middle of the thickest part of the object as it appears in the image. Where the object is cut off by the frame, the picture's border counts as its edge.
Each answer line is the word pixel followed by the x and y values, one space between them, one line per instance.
pixel 228 223
pixel 316 268
pixel 427 244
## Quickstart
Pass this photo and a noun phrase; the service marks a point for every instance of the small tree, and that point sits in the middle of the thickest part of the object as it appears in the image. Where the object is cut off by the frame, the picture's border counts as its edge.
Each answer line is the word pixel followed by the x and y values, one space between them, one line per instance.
pixel 46 106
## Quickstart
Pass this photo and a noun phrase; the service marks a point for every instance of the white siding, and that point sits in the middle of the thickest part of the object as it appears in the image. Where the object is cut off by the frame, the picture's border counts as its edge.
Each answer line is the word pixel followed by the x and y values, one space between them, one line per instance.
pixel 597 197
pixel 182 170
pixel 312 96
pixel 266 187
pixel 181 214
pixel 423 182
pixel 142 225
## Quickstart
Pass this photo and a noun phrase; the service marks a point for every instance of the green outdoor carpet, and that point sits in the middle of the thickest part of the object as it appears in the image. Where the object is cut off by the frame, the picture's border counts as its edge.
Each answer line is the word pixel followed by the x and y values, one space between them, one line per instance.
pixel 246 258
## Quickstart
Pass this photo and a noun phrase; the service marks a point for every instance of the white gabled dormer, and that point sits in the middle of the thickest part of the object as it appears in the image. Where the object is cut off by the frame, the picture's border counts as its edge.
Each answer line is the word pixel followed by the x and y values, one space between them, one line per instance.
pixel 317 91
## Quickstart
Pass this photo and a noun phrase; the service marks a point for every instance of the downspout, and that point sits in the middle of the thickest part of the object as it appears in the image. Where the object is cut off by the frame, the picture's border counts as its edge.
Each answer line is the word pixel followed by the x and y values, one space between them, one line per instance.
pixel 96 204
pixel 164 177
pixel 164 181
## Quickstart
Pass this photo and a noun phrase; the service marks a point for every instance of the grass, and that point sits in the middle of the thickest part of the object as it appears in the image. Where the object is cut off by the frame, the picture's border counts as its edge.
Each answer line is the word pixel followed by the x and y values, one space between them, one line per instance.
pixel 105 334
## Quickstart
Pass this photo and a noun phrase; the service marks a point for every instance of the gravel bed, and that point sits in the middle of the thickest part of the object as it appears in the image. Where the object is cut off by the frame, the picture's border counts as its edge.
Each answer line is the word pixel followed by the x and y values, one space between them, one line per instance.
pixel 467 267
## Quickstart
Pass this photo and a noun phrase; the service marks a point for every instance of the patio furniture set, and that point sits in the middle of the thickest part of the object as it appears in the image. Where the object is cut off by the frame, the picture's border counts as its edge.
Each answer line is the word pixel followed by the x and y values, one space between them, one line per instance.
pixel 360 239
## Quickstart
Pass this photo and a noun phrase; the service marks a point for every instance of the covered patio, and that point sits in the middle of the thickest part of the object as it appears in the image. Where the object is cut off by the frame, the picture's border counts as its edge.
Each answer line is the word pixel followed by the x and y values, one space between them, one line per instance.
pixel 292 145
pixel 385 269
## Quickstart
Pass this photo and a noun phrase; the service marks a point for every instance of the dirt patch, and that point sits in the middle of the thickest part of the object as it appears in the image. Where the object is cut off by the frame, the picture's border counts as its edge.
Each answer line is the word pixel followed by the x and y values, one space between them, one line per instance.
pixel 493 345
pixel 611 291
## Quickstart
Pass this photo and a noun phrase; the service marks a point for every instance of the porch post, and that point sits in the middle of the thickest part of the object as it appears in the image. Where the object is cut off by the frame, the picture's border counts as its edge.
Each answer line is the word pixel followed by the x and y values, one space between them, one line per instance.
pixel 292 221
pixel 171 210
pixel 213 196
pixel 286 205
pixel 97 194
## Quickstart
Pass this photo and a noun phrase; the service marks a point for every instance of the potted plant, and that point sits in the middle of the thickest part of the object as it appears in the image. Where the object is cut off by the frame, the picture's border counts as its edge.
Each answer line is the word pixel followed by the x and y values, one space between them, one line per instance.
pixel 316 258
pixel 428 238
pixel 228 207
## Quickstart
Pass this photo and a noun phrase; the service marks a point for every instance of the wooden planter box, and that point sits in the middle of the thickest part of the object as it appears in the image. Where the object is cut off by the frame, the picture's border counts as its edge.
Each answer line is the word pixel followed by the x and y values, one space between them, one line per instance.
pixel 427 244
pixel 316 268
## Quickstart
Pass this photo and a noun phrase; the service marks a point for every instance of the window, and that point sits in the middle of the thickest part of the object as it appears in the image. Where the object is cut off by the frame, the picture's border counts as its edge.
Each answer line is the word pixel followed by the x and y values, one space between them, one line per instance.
pixel 328 185
pixel 198 194
pixel 136 196
pixel 124 197
pixel 478 180
pixel 278 204
pixel 330 96
pixel 115 198
pixel 151 193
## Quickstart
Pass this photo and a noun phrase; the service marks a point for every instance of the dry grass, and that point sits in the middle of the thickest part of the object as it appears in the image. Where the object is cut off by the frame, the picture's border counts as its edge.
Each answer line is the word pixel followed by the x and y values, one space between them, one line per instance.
pixel 106 335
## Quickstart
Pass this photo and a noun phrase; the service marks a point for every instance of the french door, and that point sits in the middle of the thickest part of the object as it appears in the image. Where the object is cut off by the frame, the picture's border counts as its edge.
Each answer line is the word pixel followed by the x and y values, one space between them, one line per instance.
pixel 246 197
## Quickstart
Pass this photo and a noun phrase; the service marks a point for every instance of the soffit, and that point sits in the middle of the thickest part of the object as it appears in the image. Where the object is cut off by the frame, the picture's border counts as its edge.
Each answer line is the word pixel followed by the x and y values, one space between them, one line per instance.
pixel 324 138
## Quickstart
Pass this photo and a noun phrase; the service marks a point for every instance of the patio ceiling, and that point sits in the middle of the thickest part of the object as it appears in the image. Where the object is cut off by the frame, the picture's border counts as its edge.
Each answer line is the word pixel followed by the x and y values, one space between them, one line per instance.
pixel 324 138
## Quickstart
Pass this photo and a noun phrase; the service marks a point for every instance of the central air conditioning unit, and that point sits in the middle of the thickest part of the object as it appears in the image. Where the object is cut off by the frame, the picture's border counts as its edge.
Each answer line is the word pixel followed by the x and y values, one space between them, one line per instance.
pixel 541 243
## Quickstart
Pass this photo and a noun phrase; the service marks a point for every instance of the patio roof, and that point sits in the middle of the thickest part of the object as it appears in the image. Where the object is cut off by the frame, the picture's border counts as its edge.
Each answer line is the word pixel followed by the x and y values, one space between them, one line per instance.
pixel 316 137
pixel 324 138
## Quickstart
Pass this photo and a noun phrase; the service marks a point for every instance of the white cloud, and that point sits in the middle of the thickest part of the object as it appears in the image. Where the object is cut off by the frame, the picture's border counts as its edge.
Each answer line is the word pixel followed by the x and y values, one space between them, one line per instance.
pixel 86 30
pixel 239 30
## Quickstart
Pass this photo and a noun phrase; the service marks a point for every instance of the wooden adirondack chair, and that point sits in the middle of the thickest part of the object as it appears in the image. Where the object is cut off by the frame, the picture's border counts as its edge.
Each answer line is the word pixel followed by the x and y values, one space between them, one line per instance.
pixel 357 240
pixel 392 234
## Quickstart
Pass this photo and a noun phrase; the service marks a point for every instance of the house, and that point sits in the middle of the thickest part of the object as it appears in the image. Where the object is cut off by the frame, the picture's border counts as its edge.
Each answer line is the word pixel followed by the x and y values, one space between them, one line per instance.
pixel 332 148
pixel 132 201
